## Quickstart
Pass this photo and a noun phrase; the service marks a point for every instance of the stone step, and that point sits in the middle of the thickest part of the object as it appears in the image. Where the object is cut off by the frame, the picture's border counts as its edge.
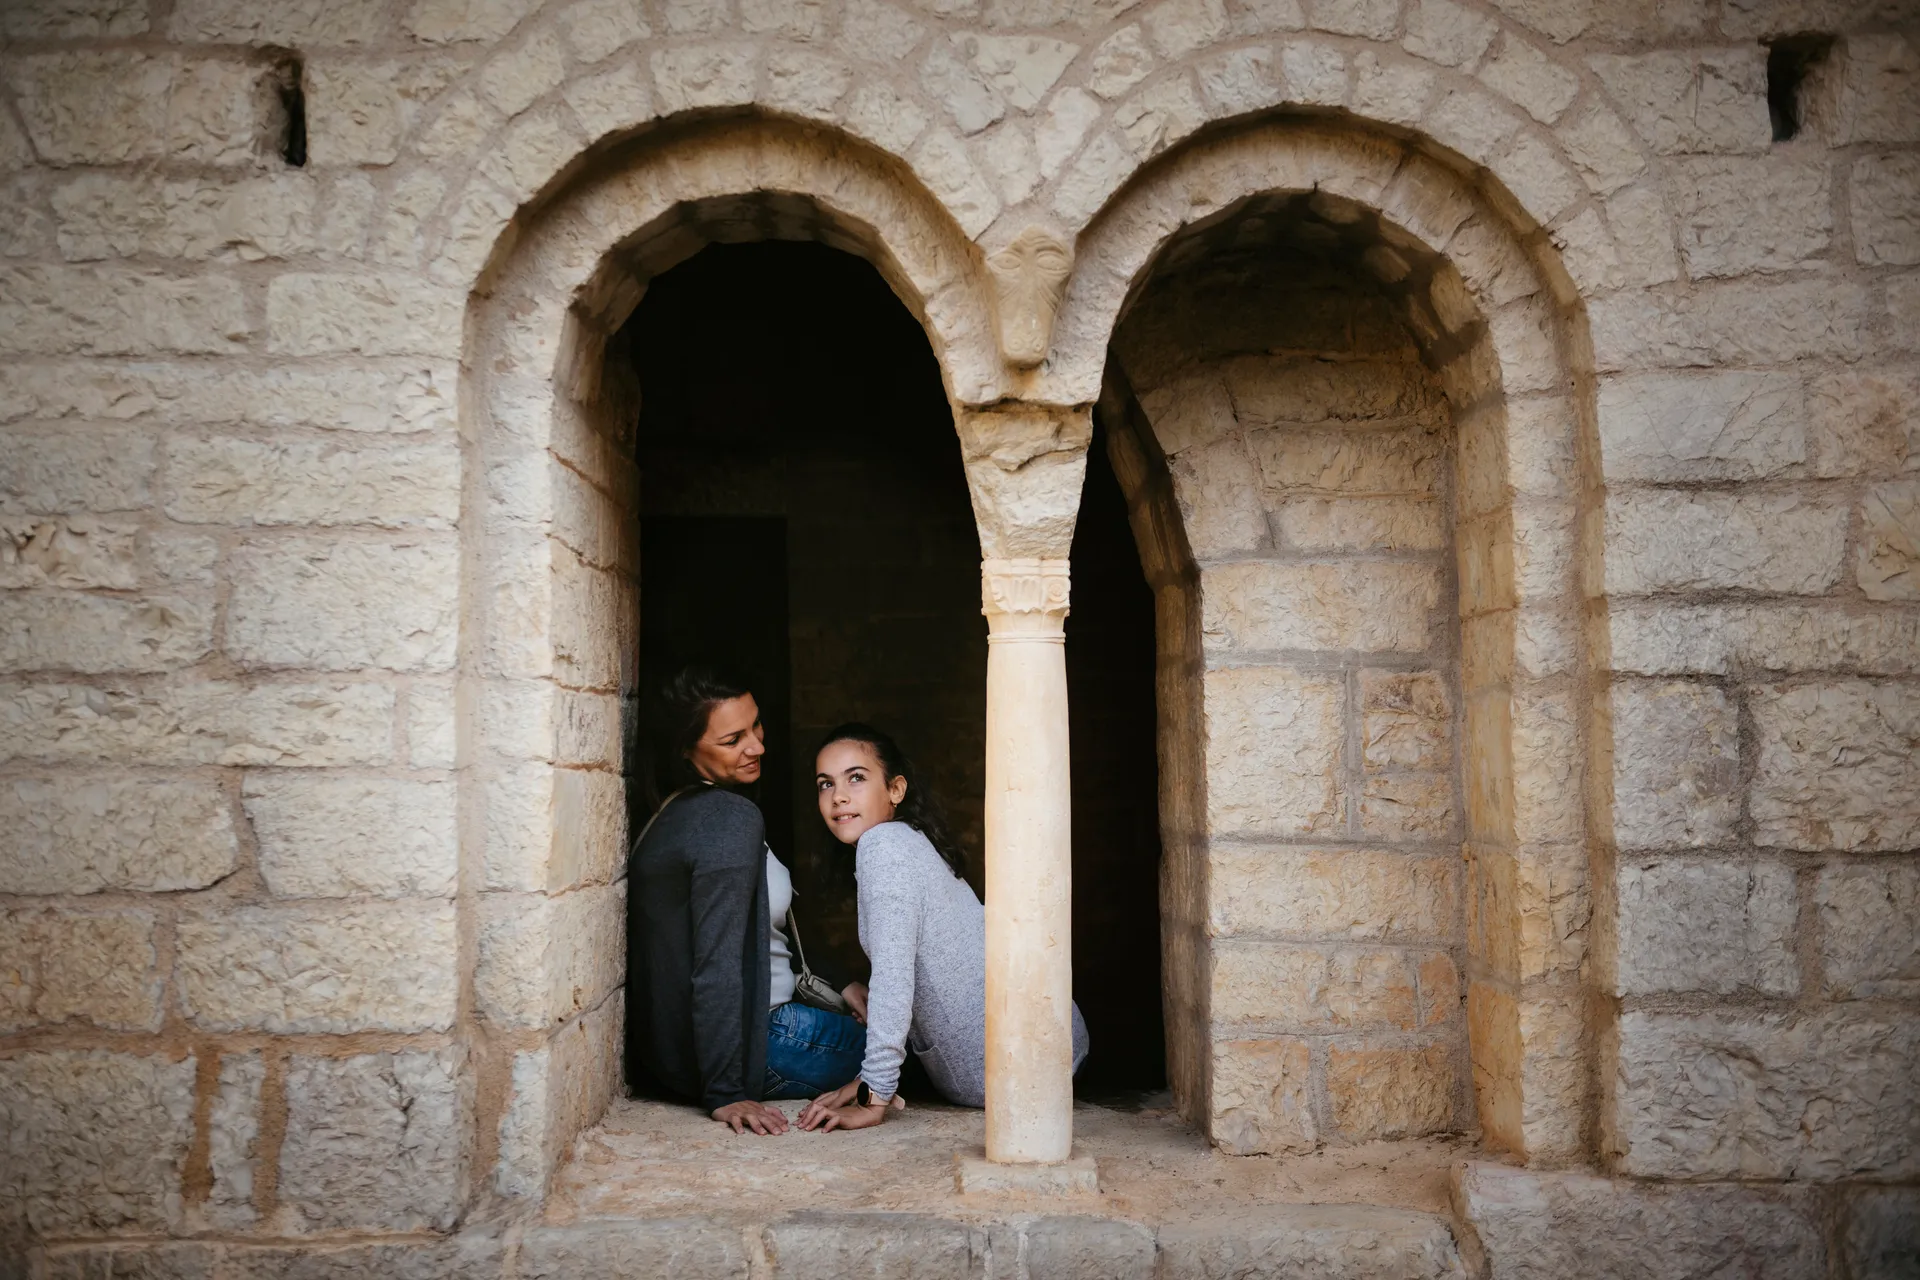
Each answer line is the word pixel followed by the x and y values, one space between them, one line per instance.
pixel 1281 1242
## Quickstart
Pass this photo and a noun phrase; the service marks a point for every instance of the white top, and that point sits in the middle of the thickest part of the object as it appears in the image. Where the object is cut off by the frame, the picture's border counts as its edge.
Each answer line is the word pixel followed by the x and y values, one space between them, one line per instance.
pixel 779 954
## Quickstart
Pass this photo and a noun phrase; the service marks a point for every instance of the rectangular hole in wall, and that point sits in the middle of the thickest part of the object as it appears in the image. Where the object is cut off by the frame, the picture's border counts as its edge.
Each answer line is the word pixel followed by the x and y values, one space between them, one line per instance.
pixel 1789 59
pixel 289 76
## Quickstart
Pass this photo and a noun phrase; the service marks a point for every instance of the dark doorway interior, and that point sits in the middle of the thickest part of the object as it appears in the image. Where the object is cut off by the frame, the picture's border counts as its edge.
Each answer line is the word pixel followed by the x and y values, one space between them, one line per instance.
pixel 804 504
pixel 1116 810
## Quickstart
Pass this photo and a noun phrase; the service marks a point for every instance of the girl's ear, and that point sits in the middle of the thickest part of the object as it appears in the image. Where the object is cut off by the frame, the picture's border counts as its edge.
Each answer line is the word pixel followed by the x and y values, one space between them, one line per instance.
pixel 897 791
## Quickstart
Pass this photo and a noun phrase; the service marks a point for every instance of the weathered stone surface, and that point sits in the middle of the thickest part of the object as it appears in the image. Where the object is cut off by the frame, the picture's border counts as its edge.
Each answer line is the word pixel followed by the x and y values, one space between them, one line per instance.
pixel 1391 1092
pixel 1218 489
pixel 374 395
pixel 1735 322
pixel 450 21
pixel 1262 1097
pixel 70 631
pixel 76 833
pixel 384 315
pixel 94 1142
pixel 95 968
pixel 375 1141
pixel 199 722
pixel 1349 894
pixel 1736 1094
pixel 1658 637
pixel 74 20
pixel 226 480
pixel 1523 74
pixel 1359 524
pixel 1864 422
pixel 1733 425
pixel 1889 552
pixel 323 836
pixel 62 471
pixel 1884 194
pixel 545 958
pixel 1837 765
pixel 646 1249
pixel 1353 1242
pixel 105 215
pixel 556 1091
pixel 1694 925
pixel 1348 462
pixel 1315 988
pixel 474 1254
pixel 233 1132
pixel 1681 101
pixel 176 1260
pixel 105 106
pixel 368 967
pixel 1371 606
pixel 1676 765
pixel 1882 1233
pixel 1086 1248
pixel 1879 90
pixel 1870 929
pixel 1273 751
pixel 1739 215
pixel 1532 1225
pixel 1663 540
pixel 828 1246
pixel 104 311
pixel 332 604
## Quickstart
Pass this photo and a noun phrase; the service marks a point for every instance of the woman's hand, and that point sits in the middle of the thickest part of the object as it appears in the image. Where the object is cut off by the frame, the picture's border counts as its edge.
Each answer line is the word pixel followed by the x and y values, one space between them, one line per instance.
pixel 821 1107
pixel 757 1116
pixel 853 1116
pixel 855 994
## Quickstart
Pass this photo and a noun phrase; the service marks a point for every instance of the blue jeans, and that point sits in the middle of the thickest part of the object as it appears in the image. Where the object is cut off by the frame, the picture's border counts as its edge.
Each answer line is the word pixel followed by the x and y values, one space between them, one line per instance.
pixel 810 1051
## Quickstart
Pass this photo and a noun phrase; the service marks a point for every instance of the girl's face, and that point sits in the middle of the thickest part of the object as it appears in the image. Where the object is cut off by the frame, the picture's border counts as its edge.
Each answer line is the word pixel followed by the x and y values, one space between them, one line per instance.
pixel 729 751
pixel 854 794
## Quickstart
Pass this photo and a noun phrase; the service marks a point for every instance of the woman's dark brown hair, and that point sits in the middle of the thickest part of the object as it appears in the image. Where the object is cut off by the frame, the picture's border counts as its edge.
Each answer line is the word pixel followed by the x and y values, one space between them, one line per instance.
pixel 680 714
pixel 920 809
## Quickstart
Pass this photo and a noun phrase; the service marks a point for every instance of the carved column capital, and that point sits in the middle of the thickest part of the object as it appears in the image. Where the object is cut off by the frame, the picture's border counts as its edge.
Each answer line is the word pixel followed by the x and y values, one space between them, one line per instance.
pixel 1025 597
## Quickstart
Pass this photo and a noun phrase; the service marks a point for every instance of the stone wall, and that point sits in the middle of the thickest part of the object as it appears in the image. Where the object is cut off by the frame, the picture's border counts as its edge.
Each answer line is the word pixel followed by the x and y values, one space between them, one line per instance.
pixel 315 533
pixel 1309 451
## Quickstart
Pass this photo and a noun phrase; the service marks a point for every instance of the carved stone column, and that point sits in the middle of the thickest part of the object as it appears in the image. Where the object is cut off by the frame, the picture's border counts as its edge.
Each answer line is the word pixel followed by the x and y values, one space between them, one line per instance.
pixel 1029 864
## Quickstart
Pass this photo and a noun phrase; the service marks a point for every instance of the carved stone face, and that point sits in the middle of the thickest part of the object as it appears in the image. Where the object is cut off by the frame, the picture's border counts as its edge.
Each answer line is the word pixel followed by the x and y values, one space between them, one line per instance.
pixel 1030 275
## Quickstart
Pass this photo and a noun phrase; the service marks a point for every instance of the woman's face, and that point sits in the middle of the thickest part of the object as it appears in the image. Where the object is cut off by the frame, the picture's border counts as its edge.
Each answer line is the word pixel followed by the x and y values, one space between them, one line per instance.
pixel 729 751
pixel 853 795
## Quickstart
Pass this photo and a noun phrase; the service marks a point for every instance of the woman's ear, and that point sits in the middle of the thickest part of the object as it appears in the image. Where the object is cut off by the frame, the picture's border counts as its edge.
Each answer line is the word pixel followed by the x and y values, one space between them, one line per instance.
pixel 897 790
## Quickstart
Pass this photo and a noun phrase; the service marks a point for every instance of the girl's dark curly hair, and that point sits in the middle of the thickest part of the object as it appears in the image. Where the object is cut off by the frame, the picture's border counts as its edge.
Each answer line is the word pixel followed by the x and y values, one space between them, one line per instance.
pixel 680 713
pixel 920 810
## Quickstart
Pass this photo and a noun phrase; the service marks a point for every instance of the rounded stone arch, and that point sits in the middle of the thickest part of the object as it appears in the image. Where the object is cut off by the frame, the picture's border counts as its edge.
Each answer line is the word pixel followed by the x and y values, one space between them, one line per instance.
pixel 549 537
pixel 1500 325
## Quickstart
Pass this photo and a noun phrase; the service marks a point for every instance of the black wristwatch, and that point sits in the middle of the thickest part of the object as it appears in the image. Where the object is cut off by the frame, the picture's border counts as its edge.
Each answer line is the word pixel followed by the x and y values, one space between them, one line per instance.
pixel 863 1096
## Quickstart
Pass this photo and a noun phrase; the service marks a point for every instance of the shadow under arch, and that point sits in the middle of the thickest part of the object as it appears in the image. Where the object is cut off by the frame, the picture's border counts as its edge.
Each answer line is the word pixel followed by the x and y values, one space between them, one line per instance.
pixel 1498 323
pixel 545 710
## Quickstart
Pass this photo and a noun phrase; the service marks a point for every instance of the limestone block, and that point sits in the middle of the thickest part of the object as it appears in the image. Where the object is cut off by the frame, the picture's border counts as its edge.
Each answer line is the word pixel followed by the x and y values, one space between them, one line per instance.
pixel 233 1132
pixel 1370 19
pixel 83 552
pixel 1314 72
pixel 62 470
pixel 1711 100
pixel 71 631
pixel 1353 1242
pixel 1273 751
pixel 1158 116
pixel 1407 806
pixel 109 215
pixel 74 20
pixel 1662 540
pixel 1391 89
pixel 557 1091
pixel 1528 911
pixel 81 967
pixel 93 106
pixel 358 111
pixel 1348 462
pixel 1103 165
pixel 871 31
pixel 1606 152
pixel 1356 894
pixel 1315 988
pixel 1406 720
pixel 1391 1093
pixel 448 21
pixel 1889 551
pixel 1546 759
pixel 894 122
pixel 702 75
pixel 75 833
pixel 1190 412
pixel 645 1249
pixel 805 83
pixel 1864 422
pixel 322 836
pixel 474 1254
pixel 226 480
pixel 1742 215
pixel 1370 606
pixel 545 958
pixel 375 1141
pixel 431 724
pixel 1656 637
pixel 1676 765
pixel 1882 1232
pixel 1535 1225
pixel 1836 765
pixel 1870 929
pixel 222 112
pixel 1879 92
pixel 1238 81
pixel 52 310
pixel 1729 425
pixel 403 396
pixel 1733 323
pixel 93 1142
pixel 1884 195
pixel 383 315
pixel 1903 313
pixel 1754 1094
pixel 302 23
pixel 339 605
pixel 1218 488
pixel 198 722
pixel 614 101
pixel 1360 524
pixel 1527 77
pixel 1024 470
pixel 1262 1097
pixel 388 966
pixel 1121 61
pixel 1447 33
pixel 1694 925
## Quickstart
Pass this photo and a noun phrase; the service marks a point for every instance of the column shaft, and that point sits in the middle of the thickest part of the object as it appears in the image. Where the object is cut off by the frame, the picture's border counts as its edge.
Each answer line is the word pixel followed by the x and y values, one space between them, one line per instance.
pixel 1029 864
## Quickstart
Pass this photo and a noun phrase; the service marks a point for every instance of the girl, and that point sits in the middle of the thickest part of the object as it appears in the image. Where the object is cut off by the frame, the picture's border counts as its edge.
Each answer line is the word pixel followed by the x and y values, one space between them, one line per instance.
pixel 710 973
pixel 921 925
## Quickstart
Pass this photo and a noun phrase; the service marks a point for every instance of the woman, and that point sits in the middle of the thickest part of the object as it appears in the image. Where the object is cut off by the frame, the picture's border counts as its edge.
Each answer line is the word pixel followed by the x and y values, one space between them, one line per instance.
pixel 922 927
pixel 709 969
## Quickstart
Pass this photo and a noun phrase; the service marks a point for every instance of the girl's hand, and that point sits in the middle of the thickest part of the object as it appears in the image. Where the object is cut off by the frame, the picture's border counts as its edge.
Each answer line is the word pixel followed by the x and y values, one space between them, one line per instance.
pixel 855 994
pixel 762 1119
pixel 854 1116
pixel 816 1111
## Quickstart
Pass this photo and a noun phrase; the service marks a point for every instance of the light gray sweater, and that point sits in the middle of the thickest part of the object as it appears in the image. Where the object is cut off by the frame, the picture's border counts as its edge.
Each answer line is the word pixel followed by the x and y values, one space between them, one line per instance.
pixel 926 934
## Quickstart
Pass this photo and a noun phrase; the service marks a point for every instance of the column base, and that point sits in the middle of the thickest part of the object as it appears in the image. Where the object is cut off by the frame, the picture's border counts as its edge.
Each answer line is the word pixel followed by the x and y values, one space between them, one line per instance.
pixel 977 1175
